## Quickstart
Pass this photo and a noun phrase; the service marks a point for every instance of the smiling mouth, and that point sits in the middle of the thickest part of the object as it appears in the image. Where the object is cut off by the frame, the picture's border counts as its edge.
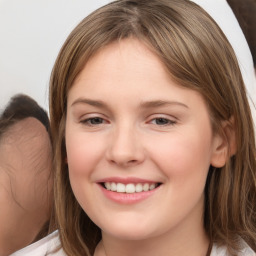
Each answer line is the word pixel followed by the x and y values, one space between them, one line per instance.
pixel 130 188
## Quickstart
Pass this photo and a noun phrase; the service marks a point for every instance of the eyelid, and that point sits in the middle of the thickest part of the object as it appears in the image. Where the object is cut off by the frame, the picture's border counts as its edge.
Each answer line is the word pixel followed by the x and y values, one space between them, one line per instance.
pixel 90 119
pixel 165 119
pixel 171 119
pixel 164 116
pixel 91 115
pixel 84 119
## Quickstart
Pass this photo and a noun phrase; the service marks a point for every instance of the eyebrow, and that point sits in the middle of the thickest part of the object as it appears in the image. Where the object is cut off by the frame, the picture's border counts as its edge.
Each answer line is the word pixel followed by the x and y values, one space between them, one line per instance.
pixel 96 103
pixel 144 104
pixel 161 103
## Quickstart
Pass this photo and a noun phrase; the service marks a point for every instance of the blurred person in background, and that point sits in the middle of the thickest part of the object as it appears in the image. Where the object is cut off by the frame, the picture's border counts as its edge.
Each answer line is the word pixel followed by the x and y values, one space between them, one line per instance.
pixel 25 174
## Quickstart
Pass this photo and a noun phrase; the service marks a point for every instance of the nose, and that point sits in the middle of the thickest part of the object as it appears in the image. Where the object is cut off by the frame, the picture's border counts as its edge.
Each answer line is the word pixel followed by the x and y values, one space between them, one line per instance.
pixel 125 148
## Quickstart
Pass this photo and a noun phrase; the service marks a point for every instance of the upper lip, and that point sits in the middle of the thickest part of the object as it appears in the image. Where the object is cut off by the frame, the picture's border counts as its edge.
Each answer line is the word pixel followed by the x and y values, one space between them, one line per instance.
pixel 126 180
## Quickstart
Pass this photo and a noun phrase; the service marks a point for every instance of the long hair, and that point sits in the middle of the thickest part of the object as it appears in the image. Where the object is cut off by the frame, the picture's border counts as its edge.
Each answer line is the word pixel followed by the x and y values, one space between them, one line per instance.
pixel 198 56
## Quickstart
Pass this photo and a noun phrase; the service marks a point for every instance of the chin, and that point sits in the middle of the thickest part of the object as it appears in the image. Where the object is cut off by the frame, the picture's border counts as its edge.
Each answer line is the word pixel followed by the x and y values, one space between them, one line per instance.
pixel 130 231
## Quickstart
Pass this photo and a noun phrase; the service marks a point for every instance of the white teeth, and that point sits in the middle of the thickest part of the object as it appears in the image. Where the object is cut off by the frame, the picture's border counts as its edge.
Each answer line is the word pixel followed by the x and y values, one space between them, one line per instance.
pixel 120 188
pixel 152 186
pixel 108 185
pixel 113 186
pixel 146 187
pixel 129 188
pixel 138 188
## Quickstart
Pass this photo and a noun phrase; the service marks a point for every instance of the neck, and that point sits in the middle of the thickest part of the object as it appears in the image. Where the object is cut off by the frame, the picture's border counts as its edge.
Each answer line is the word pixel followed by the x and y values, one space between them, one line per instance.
pixel 185 237
pixel 176 243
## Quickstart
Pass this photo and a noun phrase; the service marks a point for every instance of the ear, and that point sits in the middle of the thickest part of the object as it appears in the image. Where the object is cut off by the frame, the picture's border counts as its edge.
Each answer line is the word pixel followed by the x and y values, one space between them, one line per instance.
pixel 224 143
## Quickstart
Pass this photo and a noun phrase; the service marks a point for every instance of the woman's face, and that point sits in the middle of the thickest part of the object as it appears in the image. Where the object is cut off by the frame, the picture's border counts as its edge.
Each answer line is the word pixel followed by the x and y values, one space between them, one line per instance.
pixel 138 145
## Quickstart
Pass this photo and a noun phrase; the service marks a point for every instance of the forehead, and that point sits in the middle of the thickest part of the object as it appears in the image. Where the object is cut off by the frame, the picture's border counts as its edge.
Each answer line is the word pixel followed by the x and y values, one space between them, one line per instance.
pixel 125 59
pixel 126 74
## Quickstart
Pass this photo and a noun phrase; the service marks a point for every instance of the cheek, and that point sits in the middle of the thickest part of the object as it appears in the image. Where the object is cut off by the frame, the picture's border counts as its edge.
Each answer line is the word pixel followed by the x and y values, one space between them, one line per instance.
pixel 184 156
pixel 184 161
pixel 82 157
pixel 83 152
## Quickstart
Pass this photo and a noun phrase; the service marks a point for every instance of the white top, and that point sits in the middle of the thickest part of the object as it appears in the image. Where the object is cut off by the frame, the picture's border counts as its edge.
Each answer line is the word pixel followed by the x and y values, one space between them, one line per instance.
pixel 52 241
pixel 43 247
pixel 222 251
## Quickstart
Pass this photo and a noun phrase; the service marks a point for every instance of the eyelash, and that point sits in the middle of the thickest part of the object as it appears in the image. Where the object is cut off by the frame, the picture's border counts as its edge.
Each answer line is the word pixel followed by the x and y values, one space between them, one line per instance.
pixel 155 121
pixel 88 121
pixel 167 121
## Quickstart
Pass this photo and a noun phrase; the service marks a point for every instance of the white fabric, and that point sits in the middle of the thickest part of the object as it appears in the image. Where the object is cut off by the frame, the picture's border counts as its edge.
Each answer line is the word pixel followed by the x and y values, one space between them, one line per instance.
pixel 42 247
pixel 222 251
pixel 52 241
pixel 223 15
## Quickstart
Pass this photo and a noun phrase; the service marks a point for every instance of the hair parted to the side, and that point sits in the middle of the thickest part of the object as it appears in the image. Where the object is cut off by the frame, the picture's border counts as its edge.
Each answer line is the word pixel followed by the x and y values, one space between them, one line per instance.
pixel 198 56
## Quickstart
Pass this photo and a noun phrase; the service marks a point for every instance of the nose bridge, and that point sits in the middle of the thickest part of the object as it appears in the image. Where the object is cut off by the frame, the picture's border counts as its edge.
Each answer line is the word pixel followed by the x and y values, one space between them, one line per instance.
pixel 125 147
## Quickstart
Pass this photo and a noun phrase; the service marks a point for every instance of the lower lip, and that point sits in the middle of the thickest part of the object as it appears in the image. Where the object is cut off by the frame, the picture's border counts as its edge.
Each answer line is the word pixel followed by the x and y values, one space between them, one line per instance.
pixel 128 198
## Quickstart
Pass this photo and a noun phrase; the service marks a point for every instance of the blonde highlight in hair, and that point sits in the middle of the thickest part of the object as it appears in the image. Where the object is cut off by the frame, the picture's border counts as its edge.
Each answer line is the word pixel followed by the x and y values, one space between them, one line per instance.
pixel 198 56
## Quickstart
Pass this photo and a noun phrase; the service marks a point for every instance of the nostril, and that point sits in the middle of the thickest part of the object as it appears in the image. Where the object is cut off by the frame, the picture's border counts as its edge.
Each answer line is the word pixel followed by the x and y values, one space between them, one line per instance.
pixel 132 161
pixel 124 162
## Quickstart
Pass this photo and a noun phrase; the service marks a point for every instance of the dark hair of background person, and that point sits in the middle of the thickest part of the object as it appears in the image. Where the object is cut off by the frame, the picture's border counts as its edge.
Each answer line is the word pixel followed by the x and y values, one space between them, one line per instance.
pixel 245 12
pixel 18 108
pixel 22 106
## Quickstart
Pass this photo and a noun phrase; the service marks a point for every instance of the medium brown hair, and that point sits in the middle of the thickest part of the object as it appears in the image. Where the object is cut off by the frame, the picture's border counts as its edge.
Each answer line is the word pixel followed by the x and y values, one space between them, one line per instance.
pixel 198 56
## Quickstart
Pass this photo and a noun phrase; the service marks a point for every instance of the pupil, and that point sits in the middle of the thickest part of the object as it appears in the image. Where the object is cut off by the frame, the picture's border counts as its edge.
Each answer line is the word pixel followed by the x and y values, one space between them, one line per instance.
pixel 96 121
pixel 161 121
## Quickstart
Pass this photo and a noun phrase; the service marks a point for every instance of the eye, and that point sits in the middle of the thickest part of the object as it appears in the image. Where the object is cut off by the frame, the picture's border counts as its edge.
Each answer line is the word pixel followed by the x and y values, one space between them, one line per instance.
pixel 93 121
pixel 162 121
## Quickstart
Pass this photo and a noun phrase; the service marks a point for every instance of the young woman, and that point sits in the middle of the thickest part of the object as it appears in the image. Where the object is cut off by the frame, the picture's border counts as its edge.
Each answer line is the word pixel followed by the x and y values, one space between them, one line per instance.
pixel 25 174
pixel 153 137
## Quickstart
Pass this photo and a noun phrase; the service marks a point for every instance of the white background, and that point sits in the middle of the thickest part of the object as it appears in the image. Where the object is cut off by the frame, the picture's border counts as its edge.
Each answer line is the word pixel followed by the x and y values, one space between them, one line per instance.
pixel 31 34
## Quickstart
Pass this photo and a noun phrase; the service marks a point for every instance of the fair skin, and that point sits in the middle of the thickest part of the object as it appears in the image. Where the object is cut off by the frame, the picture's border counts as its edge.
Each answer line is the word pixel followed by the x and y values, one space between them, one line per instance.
pixel 25 157
pixel 129 123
